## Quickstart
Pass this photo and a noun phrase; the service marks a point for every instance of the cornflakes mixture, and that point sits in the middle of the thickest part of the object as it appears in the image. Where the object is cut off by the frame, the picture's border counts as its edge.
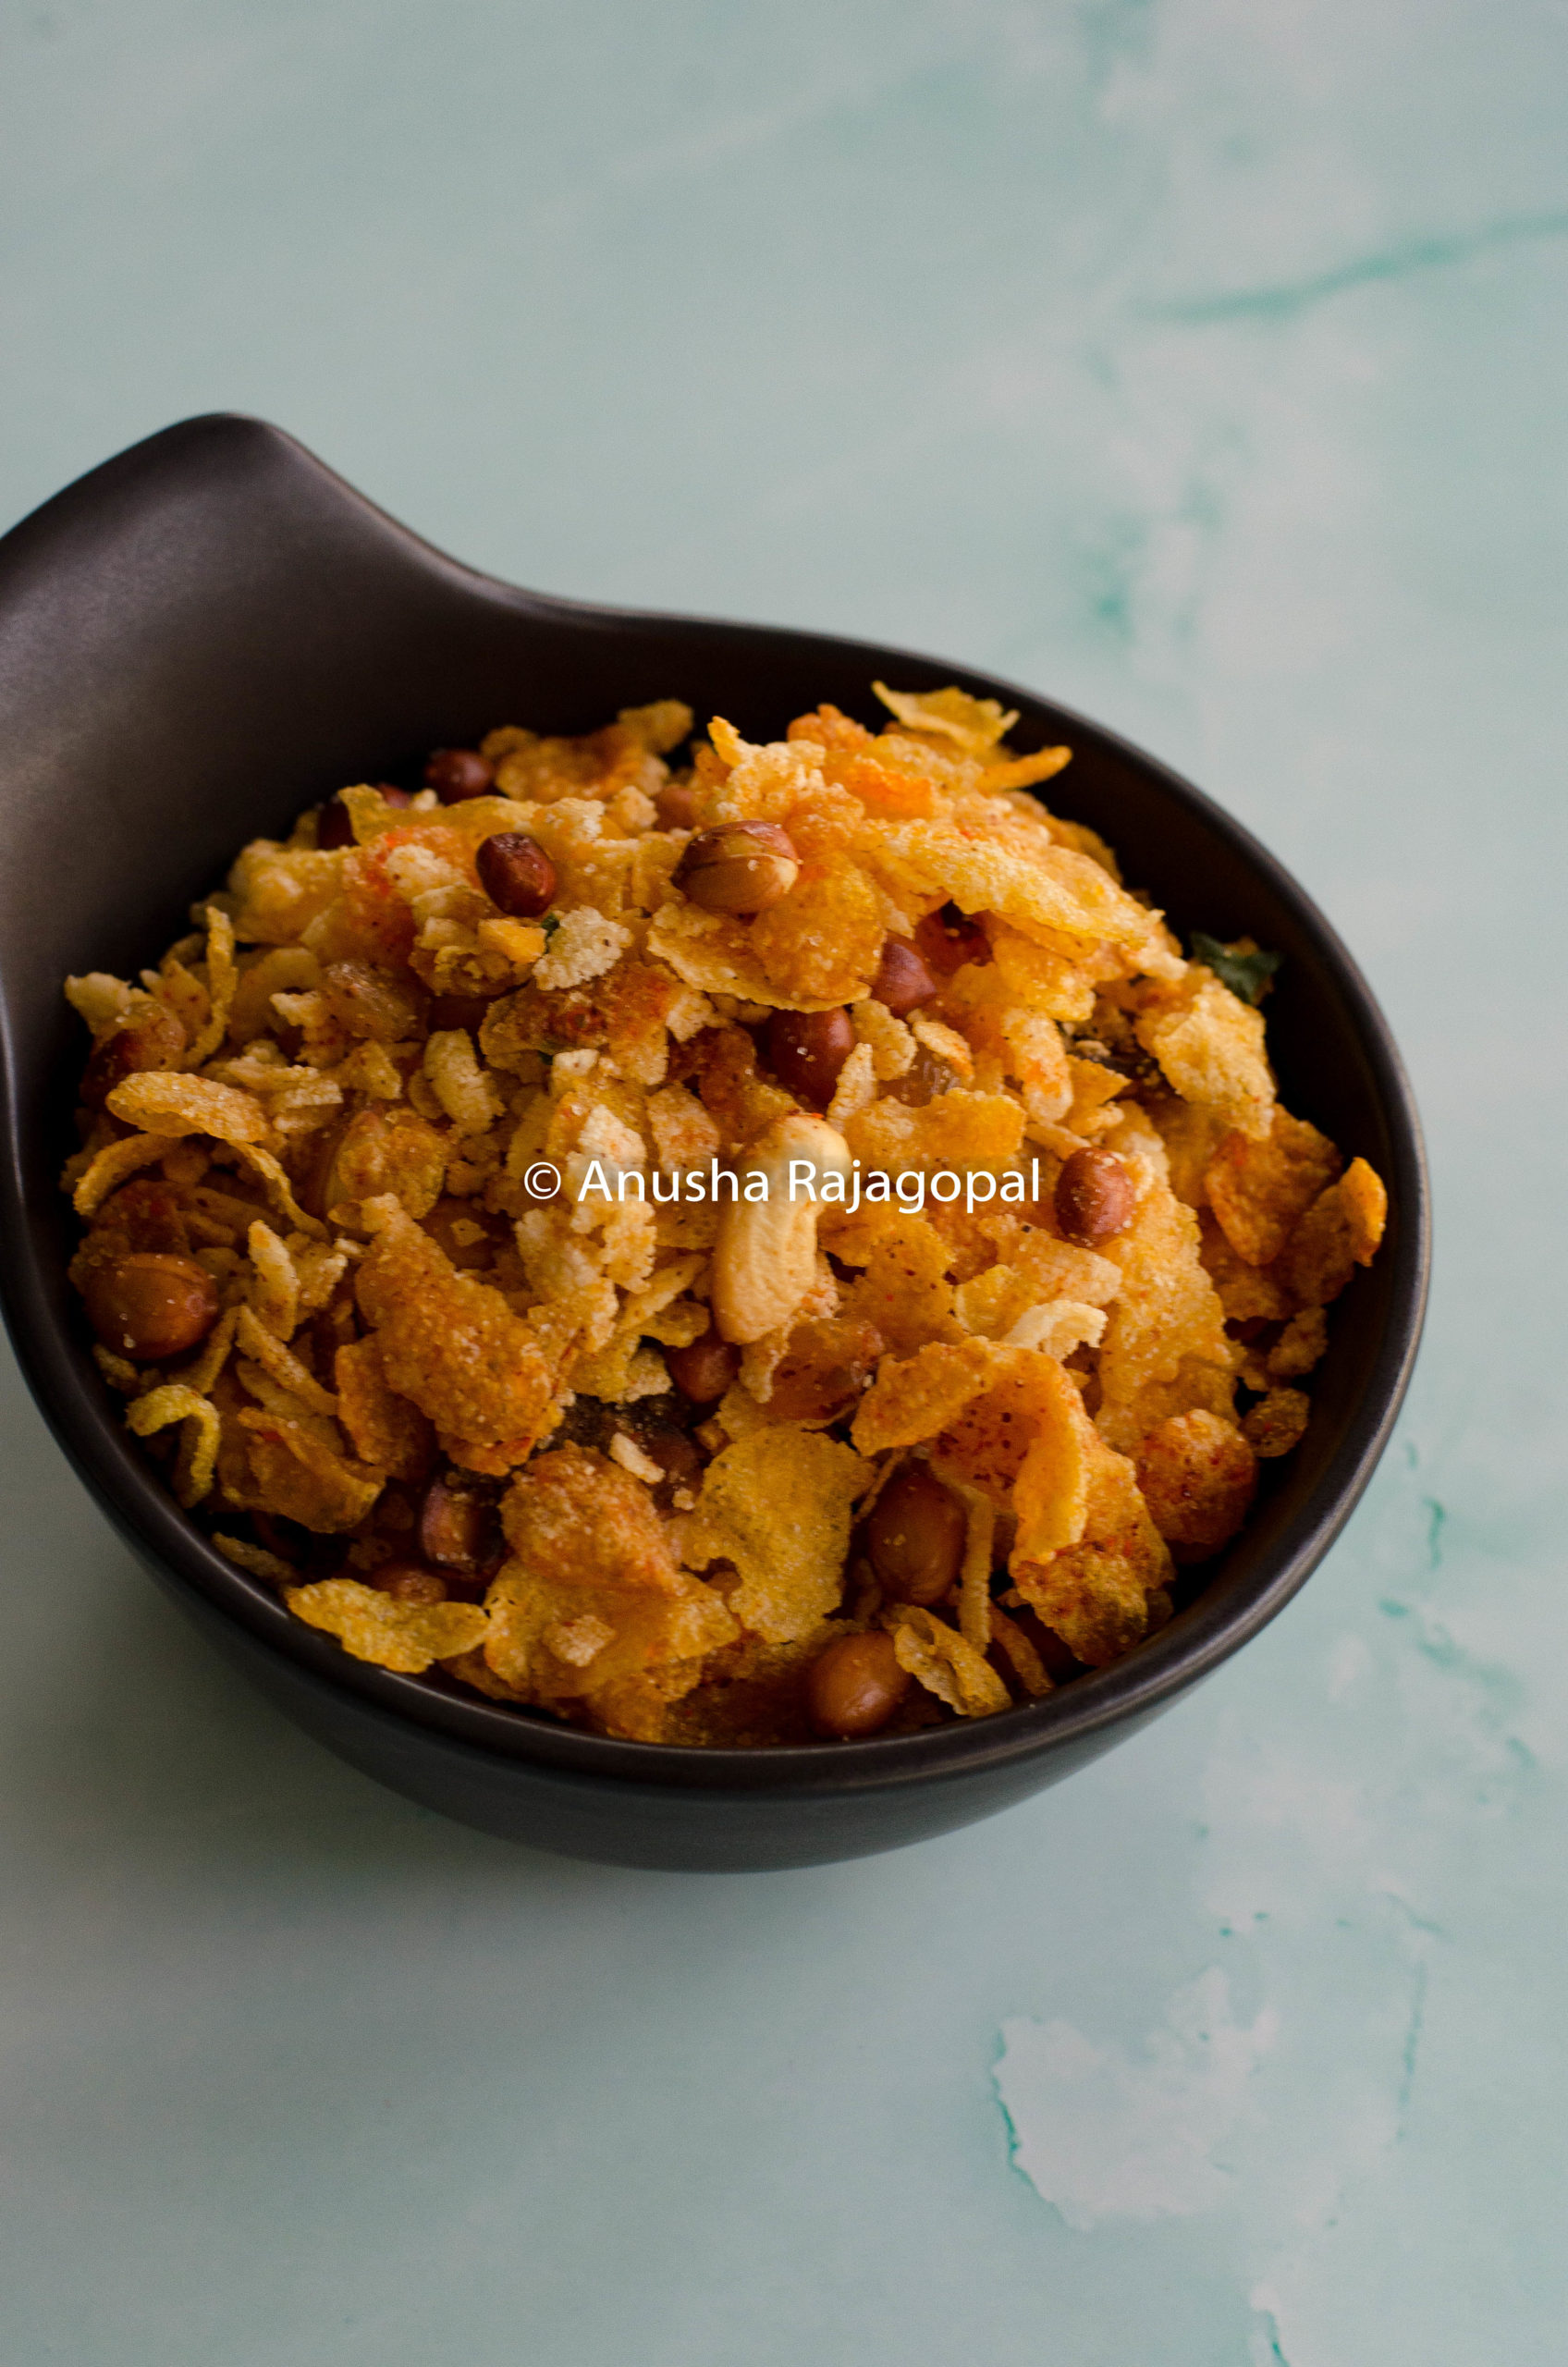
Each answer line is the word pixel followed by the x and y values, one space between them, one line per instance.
pixel 438 1235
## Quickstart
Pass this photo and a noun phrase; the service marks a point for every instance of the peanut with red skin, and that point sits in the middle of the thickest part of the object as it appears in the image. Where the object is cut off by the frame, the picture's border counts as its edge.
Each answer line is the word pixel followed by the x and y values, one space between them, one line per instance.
pixel 150 1305
pixel 739 868
pixel 705 1368
pixel 1094 1197
pixel 947 939
pixel 407 1582
pixel 807 1048
pixel 517 874
pixel 855 1686
pixel 457 774
pixel 916 1536
pixel 149 1038
pixel 903 979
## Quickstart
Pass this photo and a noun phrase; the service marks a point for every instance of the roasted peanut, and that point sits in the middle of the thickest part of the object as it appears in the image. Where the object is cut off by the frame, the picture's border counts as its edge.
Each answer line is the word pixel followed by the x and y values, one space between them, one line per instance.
pixel 376 1152
pixel 855 1686
pixel 665 1444
pixel 739 867
pixel 335 825
pixel 807 1048
pixel 149 1038
pixel 407 1582
pixel 516 873
pixel 947 939
pixel 150 1305
pixel 903 979
pixel 676 805
pixel 703 1370
pixel 372 1002
pixel 764 1259
pixel 458 1530
pixel 144 1214
pixel 459 773
pixel 1095 1196
pixel 916 1536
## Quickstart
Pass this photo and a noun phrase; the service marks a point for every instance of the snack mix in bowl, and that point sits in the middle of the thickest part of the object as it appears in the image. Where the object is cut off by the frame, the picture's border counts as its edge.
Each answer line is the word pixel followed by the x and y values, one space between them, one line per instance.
pixel 779 1245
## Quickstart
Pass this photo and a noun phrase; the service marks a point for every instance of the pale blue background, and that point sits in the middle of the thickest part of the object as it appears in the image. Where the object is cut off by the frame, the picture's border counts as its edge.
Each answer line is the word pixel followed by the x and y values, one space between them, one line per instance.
pixel 1201 361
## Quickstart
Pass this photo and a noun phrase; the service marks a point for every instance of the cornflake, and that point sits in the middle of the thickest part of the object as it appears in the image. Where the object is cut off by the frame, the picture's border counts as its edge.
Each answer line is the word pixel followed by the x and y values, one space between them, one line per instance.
pixel 790 1571
pixel 592 1596
pixel 403 1636
pixel 946 1663
pixel 455 1195
pixel 163 1103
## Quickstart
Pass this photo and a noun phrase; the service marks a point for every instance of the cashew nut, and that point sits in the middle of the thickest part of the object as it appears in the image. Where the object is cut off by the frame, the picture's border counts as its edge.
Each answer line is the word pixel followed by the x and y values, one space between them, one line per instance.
pixel 764 1261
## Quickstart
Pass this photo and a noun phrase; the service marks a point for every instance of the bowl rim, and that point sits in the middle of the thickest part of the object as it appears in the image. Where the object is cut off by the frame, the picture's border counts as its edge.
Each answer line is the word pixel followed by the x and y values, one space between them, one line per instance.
pixel 76 1404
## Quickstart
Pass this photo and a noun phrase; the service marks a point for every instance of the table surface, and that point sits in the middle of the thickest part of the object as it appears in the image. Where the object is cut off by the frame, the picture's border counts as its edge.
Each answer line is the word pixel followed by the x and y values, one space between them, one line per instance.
pixel 1201 365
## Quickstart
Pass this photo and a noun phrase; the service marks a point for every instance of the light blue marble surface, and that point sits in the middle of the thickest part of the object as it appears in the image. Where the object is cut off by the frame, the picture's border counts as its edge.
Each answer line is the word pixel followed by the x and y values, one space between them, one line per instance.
pixel 1203 363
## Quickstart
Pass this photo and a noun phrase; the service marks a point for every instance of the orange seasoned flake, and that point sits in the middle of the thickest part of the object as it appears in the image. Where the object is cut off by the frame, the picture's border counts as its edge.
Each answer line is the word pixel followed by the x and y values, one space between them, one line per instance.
pixel 1026 1427
pixel 1211 1046
pixel 959 1130
pixel 1277 1422
pixel 377 1627
pixel 1100 1595
pixel 790 1571
pixel 905 1292
pixel 1341 1231
pixel 822 943
pixel 593 1594
pixel 161 1101
pixel 296 1475
pixel 945 1663
pixel 1260 1190
pixel 1166 1320
pixel 1198 1476
pixel 386 1429
pixel 1051 894
pixel 915 1397
pixel 450 1343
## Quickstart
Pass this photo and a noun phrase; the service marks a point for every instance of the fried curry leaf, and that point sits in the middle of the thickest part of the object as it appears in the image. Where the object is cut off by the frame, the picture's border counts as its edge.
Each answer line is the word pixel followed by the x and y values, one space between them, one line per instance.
pixel 1246 975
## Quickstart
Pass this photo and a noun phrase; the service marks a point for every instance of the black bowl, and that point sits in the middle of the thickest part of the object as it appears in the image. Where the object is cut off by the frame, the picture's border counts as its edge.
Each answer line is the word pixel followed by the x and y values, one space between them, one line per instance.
pixel 212 631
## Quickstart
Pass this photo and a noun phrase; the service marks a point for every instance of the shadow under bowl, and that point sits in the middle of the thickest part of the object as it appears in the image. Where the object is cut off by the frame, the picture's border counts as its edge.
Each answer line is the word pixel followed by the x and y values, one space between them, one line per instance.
pixel 212 631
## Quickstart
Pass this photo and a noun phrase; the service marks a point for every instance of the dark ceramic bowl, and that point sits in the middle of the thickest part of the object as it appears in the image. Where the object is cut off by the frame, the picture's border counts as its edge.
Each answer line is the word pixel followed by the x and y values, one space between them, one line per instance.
pixel 212 631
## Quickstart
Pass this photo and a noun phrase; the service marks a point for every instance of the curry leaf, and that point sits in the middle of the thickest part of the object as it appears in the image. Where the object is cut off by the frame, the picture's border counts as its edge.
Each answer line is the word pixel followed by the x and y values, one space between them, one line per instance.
pixel 1246 975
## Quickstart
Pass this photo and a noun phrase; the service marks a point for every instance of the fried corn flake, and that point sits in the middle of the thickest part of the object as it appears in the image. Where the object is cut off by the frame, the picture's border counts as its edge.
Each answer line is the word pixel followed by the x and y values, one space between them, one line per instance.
pixel 223 979
pixel 452 1345
pixel 193 1475
pixel 1096 1594
pixel 1211 1050
pixel 386 1431
pixel 276 1286
pixel 1259 1190
pixel 403 1636
pixel 108 1168
pixel 1276 1423
pixel 594 1594
pixel 162 1102
pixel 1197 1476
pixel 946 1663
pixel 1341 1231
pixel 790 1570
pixel 408 1343
pixel 294 1472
